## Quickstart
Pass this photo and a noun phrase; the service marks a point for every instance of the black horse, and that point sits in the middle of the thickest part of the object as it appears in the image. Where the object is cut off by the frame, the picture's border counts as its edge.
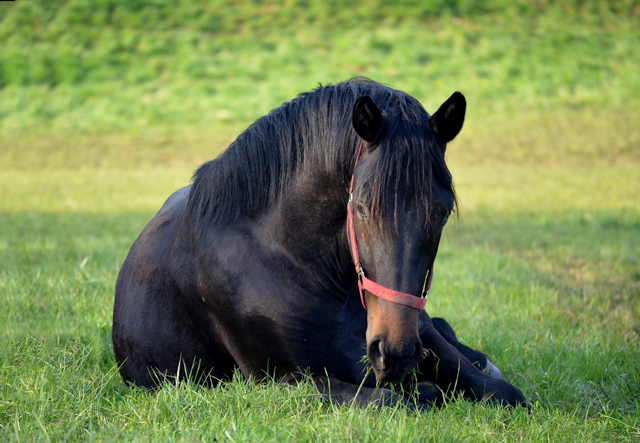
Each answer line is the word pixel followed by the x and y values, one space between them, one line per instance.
pixel 250 267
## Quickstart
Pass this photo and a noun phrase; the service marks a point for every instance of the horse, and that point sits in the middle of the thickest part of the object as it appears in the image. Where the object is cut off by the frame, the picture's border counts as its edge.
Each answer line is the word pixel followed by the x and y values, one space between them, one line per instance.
pixel 307 245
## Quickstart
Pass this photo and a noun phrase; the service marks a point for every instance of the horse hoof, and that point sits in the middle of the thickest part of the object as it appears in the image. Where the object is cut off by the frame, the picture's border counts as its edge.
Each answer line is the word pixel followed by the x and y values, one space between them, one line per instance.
pixel 492 371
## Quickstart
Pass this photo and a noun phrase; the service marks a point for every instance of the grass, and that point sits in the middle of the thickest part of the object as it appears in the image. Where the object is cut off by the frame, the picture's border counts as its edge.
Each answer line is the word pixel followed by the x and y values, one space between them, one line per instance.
pixel 145 75
pixel 107 107
pixel 550 291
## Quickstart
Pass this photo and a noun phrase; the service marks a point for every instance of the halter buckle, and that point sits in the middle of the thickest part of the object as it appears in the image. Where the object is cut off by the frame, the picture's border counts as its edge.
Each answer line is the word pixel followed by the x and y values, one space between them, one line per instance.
pixel 360 271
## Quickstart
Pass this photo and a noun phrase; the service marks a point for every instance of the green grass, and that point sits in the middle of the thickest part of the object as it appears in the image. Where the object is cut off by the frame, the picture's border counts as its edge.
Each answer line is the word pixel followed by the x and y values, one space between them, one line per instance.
pixel 148 74
pixel 547 285
pixel 106 107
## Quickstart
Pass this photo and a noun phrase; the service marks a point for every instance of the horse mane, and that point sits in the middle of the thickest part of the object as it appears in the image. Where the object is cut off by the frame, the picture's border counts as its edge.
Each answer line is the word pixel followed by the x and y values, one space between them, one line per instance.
pixel 315 129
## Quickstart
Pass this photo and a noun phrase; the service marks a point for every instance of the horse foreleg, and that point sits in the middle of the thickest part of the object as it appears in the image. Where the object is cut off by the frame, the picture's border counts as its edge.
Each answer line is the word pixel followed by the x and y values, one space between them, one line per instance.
pixel 446 366
pixel 349 394
pixel 480 360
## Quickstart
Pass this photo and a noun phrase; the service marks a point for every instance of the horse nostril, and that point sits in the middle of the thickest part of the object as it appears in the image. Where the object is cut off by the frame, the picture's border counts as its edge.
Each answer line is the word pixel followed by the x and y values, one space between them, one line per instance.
pixel 375 354
pixel 412 354
pixel 418 353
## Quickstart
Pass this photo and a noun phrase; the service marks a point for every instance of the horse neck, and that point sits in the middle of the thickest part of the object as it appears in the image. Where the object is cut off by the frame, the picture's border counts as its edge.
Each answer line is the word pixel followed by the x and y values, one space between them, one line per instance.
pixel 309 222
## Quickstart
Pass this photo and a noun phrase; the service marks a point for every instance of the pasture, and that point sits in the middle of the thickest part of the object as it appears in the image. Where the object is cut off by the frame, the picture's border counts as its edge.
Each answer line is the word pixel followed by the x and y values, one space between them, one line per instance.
pixel 103 115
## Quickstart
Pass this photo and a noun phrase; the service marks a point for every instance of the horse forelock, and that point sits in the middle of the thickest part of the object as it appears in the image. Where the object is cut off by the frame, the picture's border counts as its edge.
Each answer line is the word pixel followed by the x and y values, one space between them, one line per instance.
pixel 315 130
pixel 408 162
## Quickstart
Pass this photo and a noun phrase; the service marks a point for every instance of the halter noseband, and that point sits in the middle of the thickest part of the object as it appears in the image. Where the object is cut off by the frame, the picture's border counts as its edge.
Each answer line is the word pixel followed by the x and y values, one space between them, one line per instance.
pixel 364 283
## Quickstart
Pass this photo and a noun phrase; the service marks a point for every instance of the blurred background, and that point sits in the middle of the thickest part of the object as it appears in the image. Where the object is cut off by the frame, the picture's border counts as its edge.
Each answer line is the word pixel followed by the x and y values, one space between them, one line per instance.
pixel 125 82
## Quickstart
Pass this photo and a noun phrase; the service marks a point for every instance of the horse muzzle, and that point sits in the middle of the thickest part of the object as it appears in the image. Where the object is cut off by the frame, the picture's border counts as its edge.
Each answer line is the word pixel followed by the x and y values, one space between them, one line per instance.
pixel 393 344
pixel 390 364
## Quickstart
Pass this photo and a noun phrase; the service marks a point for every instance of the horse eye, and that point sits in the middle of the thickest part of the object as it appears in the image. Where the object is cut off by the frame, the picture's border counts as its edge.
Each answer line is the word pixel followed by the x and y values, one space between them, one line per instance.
pixel 362 211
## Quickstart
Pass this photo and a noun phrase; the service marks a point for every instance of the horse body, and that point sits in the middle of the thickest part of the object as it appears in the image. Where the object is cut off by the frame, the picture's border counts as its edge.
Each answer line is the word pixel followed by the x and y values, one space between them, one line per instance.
pixel 235 299
pixel 249 268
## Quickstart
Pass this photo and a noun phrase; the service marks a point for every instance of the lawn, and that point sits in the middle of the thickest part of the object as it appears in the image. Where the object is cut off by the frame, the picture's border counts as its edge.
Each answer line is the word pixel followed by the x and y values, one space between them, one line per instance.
pixel 104 114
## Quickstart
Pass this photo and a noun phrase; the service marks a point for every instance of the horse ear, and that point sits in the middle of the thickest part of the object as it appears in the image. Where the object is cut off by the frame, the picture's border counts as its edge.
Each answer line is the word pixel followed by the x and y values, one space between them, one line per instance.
pixel 447 122
pixel 367 119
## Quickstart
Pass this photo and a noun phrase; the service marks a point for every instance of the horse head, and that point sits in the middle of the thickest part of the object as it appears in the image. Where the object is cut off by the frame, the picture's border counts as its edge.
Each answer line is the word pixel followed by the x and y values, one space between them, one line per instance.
pixel 401 198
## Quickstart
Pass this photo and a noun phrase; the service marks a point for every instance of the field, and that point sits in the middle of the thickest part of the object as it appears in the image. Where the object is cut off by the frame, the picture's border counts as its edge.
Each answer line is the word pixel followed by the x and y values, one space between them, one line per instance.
pixel 108 106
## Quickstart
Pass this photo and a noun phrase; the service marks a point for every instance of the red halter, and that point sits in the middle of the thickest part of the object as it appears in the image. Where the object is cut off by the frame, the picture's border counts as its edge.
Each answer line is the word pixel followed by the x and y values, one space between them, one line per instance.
pixel 363 282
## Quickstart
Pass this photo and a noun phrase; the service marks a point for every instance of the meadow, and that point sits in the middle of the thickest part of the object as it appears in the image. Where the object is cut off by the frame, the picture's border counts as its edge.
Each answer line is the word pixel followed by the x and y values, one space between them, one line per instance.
pixel 108 106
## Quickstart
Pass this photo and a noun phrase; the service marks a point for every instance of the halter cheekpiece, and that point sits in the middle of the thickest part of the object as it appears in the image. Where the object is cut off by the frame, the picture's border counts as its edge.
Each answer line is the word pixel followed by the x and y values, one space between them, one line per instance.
pixel 364 283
